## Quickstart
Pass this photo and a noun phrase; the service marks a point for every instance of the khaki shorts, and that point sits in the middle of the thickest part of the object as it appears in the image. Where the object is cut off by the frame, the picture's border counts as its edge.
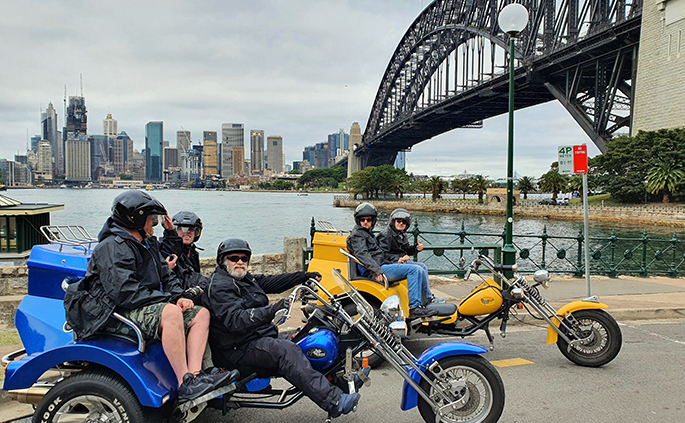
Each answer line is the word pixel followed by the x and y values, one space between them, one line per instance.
pixel 147 319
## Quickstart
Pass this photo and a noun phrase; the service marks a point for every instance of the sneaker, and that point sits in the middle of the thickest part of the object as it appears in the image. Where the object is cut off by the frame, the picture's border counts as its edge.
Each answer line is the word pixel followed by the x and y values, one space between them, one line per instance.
pixel 420 312
pixel 346 403
pixel 434 300
pixel 358 382
pixel 218 377
pixel 192 387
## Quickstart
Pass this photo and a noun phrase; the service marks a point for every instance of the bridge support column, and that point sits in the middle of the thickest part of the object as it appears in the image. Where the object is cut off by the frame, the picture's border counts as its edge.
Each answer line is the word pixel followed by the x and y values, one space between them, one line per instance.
pixel 354 163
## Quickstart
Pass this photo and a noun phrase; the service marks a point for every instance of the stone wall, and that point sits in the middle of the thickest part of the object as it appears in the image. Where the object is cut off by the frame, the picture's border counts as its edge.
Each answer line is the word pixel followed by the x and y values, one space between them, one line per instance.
pixel 652 215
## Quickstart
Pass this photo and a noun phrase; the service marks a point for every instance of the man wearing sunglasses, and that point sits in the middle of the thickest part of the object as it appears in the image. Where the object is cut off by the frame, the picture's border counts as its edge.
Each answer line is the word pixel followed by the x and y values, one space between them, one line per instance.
pixel 242 335
pixel 362 243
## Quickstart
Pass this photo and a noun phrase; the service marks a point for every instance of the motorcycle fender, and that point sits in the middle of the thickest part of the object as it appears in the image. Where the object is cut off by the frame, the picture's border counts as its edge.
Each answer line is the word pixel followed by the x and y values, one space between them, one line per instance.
pixel 437 352
pixel 552 334
pixel 149 375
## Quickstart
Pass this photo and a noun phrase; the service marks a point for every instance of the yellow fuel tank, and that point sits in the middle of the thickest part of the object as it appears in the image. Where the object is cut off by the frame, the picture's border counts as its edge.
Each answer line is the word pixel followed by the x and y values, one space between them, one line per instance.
pixel 485 299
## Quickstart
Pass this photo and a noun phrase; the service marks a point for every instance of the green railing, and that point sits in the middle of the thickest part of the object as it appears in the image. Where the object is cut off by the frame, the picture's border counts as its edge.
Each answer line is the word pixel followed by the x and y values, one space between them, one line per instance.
pixel 611 256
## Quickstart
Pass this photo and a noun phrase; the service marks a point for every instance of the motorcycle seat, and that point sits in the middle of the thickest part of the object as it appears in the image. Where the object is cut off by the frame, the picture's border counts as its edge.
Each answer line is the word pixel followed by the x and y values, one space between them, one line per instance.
pixel 444 309
pixel 354 275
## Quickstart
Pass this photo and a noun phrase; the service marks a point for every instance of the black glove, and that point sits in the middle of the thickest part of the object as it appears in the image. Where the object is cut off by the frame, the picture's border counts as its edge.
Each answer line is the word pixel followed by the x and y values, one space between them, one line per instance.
pixel 313 275
pixel 192 292
pixel 281 304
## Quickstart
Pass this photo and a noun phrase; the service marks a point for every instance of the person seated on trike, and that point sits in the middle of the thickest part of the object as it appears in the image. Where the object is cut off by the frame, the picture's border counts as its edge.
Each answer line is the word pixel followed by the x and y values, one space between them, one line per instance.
pixel 178 245
pixel 364 246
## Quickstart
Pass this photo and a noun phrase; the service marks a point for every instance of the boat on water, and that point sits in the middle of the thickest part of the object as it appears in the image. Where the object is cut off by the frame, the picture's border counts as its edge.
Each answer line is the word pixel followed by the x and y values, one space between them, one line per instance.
pixel 149 187
pixel 3 187
pixel 302 194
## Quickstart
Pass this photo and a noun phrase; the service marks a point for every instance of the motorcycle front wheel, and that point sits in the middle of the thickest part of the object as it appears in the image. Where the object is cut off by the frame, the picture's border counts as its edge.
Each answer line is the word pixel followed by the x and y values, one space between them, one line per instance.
pixel 474 382
pixel 601 339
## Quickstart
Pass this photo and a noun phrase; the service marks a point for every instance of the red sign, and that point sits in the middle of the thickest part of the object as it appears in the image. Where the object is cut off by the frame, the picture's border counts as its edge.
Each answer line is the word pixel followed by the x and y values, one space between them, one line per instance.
pixel 579 159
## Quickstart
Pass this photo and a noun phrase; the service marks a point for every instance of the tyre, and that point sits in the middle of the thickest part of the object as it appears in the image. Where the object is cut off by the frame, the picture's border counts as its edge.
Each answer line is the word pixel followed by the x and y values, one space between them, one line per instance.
pixel 601 339
pixel 473 380
pixel 91 395
pixel 374 359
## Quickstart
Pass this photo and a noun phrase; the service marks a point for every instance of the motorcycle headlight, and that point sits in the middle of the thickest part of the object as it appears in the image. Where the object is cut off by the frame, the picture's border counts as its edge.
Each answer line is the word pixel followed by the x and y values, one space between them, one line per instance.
pixel 542 277
pixel 517 293
pixel 392 307
pixel 398 328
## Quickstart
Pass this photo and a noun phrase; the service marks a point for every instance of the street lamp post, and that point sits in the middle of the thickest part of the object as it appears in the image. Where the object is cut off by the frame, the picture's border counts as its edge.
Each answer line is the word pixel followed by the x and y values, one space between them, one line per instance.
pixel 512 19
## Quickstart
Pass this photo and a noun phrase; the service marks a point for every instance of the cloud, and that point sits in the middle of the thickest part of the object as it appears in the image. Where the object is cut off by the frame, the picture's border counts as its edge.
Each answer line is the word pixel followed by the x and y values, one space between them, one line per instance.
pixel 299 69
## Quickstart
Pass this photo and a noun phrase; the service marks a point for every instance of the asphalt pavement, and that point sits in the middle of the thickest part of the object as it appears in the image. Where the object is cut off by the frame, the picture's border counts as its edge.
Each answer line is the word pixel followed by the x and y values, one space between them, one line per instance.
pixel 628 298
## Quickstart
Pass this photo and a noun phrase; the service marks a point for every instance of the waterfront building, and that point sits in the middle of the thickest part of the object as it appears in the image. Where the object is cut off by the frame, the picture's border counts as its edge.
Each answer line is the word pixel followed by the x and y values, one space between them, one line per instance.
pixel 232 135
pixel 122 150
pixel 354 162
pixel 210 168
pixel 77 160
pixel 136 166
pixel 170 158
pixel 110 126
pixel 337 144
pixel 321 155
pixel 154 141
pixel 238 164
pixel 44 165
pixel 14 173
pixel 183 140
pixel 257 150
pixel 99 154
pixel 76 130
pixel 52 135
pixel 275 153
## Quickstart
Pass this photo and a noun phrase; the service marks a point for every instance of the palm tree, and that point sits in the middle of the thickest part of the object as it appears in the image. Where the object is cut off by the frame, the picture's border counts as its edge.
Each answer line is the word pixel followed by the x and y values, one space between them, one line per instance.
pixel 553 182
pixel 436 187
pixel 480 184
pixel 664 177
pixel 526 185
pixel 462 185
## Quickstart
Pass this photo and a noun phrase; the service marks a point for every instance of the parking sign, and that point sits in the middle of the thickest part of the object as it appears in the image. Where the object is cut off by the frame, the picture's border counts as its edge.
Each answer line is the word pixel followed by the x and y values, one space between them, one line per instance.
pixel 565 159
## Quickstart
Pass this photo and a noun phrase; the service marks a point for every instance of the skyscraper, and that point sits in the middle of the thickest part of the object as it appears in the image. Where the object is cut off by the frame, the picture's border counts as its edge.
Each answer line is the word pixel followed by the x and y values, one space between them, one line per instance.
pixel 77 164
pixel 275 153
pixel 110 126
pixel 44 168
pixel 154 144
pixel 52 135
pixel 232 135
pixel 238 156
pixel 99 153
pixel 257 149
pixel 183 140
pixel 210 153
pixel 122 151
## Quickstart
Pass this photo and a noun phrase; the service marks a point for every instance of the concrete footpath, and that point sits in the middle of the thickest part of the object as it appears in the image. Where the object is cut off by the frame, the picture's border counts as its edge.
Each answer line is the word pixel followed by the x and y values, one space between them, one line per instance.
pixel 628 298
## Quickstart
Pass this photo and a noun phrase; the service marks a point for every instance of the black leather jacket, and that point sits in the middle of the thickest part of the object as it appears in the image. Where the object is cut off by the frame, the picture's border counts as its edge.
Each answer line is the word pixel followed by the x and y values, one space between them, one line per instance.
pixel 122 274
pixel 395 244
pixel 362 244
pixel 240 310
pixel 187 267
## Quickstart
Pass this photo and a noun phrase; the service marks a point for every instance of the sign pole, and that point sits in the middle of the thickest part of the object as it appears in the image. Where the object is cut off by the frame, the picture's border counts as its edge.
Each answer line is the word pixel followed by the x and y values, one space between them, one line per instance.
pixel 586 232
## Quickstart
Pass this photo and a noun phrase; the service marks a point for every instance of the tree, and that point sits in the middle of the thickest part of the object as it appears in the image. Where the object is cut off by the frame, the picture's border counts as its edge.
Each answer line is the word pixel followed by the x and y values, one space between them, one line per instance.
pixel 423 186
pixel 553 182
pixel 437 186
pixel 462 186
pixel 665 178
pixel 295 172
pixel 401 183
pixel 480 185
pixel 526 185
pixel 326 177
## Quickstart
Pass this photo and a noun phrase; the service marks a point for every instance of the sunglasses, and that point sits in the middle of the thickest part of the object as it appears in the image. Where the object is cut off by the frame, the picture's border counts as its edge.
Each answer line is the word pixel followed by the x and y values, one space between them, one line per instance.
pixel 366 219
pixel 236 259
pixel 404 222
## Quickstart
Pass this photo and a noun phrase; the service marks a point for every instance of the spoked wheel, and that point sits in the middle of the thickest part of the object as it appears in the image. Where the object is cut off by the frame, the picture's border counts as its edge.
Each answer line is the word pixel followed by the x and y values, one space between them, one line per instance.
pixel 473 384
pixel 91 396
pixel 601 338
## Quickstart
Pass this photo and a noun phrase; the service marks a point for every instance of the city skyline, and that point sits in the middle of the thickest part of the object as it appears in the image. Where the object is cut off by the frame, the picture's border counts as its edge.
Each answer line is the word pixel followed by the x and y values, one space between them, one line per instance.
pixel 297 70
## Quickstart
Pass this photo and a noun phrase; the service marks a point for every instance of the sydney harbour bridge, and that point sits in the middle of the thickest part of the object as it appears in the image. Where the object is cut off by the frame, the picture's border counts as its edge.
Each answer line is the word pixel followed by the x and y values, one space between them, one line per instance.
pixel 450 70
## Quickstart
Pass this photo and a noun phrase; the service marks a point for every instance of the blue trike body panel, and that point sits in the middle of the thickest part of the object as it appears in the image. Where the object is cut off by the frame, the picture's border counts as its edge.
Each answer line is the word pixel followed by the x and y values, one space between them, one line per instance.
pixel 49 264
pixel 40 323
pixel 150 375
pixel 432 354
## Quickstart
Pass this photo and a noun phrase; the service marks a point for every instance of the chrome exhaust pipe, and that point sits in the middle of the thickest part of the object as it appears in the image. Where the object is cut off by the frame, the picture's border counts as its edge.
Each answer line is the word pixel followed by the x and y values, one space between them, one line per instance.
pixel 31 395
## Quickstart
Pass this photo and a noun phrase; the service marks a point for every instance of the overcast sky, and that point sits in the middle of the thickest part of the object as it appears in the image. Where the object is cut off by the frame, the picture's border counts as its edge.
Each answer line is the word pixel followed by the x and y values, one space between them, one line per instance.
pixel 299 69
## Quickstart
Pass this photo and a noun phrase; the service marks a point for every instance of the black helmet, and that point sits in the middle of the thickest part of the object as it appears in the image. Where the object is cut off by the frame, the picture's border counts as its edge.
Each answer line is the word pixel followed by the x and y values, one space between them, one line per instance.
pixel 399 214
pixel 232 245
pixel 365 210
pixel 190 220
pixel 131 208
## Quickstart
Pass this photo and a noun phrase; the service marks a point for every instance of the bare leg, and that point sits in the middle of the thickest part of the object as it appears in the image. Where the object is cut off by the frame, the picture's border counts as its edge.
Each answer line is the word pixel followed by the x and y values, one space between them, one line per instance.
pixel 174 340
pixel 197 340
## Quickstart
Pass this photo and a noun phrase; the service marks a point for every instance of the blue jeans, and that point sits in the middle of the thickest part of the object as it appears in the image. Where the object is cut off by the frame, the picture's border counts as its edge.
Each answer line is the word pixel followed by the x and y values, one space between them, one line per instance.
pixel 425 285
pixel 416 283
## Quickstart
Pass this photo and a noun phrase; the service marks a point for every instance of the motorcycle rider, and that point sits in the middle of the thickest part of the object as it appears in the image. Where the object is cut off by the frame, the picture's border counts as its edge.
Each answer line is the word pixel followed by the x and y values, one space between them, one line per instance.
pixel 180 235
pixel 126 274
pixel 394 242
pixel 363 244
pixel 243 336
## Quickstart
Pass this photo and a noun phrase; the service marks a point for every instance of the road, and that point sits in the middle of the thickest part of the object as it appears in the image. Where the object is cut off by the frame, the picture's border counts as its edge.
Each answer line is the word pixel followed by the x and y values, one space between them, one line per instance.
pixel 643 384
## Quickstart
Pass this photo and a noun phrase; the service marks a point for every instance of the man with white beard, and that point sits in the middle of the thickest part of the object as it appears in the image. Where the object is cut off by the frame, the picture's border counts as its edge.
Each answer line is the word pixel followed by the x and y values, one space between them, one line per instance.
pixel 242 335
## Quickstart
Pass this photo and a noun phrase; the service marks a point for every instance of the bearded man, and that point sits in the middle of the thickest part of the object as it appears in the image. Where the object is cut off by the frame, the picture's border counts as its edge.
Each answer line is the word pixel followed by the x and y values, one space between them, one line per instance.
pixel 242 335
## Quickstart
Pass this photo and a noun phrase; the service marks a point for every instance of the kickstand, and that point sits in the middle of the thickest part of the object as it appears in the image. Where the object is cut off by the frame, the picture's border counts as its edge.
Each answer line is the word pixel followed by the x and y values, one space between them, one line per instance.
pixel 490 338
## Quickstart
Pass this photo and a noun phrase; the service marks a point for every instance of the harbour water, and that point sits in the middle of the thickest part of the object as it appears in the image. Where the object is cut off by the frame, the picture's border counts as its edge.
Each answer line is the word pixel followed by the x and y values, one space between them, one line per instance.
pixel 265 218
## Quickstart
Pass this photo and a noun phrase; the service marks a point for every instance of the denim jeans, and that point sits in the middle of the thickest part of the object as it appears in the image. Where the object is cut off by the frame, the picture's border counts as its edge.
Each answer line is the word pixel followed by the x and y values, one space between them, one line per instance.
pixel 425 285
pixel 416 284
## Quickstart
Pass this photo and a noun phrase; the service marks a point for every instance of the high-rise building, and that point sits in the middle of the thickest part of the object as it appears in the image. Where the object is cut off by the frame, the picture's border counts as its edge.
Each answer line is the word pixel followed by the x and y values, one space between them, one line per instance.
pixel 401 160
pixel 210 154
pixel 183 140
pixel 76 130
pixel 232 135
pixel 274 149
pixel 337 143
pixel 257 149
pixel 77 163
pixel 238 156
pixel 34 142
pixel 52 135
pixel 154 152
pixel 44 167
pixel 122 151
pixel 99 153
pixel 170 158
pixel 110 126
pixel 321 155
pixel 77 119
